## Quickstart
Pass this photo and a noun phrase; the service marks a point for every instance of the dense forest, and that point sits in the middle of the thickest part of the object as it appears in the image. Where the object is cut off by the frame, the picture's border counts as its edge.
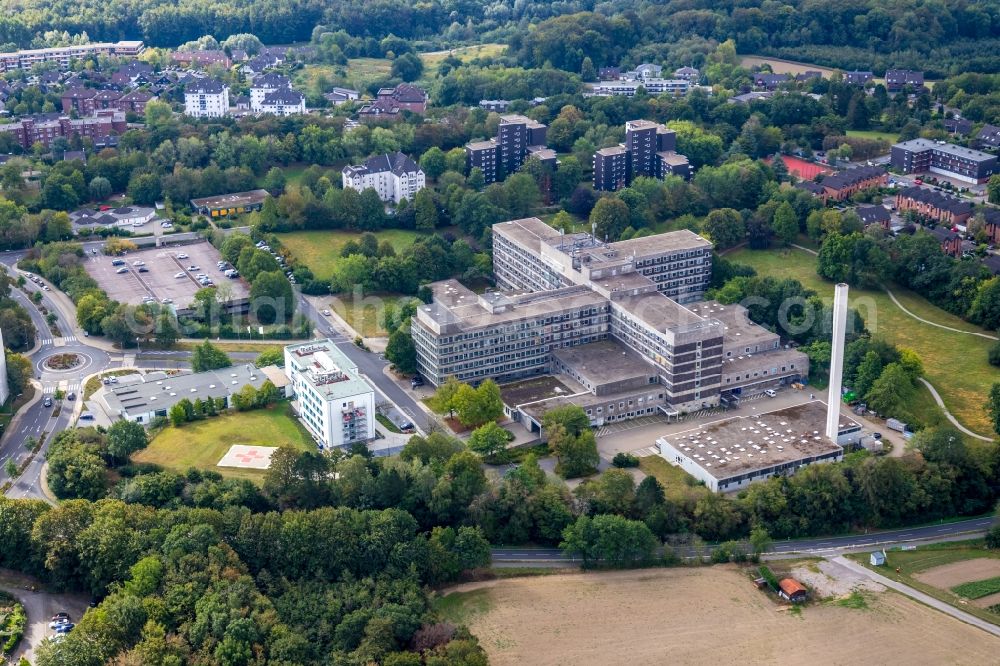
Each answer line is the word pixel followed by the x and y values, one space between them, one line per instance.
pixel 950 34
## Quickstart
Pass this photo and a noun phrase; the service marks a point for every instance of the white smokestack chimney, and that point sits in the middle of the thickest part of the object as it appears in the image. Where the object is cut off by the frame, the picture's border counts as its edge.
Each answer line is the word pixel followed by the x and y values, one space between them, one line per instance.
pixel 836 361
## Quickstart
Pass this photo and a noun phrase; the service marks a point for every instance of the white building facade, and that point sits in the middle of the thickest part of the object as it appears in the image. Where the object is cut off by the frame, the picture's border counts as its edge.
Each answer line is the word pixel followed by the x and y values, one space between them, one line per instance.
pixel 206 98
pixel 332 399
pixel 394 176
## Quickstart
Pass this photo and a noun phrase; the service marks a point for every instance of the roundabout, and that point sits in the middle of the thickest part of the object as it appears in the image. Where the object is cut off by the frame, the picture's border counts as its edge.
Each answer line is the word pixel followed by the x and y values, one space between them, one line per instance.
pixel 63 363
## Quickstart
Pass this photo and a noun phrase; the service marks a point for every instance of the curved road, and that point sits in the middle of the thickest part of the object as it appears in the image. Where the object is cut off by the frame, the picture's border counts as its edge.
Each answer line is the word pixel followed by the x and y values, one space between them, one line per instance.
pixel 970 528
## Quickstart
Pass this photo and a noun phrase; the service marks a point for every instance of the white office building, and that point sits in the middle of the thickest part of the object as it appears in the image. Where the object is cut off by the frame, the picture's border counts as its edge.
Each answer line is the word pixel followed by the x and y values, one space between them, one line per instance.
pixel 394 176
pixel 332 399
pixel 206 98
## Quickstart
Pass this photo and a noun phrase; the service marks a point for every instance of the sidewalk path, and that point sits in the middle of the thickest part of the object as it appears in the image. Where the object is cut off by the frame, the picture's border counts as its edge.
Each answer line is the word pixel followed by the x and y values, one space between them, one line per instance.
pixel 931 323
pixel 954 421
pixel 925 599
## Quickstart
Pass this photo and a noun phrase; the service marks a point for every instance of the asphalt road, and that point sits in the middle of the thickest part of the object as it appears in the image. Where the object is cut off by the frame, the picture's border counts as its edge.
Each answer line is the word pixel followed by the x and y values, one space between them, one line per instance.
pixel 817 546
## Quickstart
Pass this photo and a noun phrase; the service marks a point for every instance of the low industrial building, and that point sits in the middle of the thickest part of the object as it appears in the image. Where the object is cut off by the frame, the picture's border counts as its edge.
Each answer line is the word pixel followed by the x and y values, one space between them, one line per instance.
pixel 230 204
pixel 143 398
pixel 125 216
pixel 730 454
pixel 333 401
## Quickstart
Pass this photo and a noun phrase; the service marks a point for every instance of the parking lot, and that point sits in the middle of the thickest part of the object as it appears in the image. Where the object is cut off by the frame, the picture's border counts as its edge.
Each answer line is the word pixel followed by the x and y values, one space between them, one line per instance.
pixel 166 275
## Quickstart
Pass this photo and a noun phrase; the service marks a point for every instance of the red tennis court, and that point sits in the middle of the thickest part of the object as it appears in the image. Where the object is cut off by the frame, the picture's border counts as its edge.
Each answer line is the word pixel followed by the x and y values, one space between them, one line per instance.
pixel 800 168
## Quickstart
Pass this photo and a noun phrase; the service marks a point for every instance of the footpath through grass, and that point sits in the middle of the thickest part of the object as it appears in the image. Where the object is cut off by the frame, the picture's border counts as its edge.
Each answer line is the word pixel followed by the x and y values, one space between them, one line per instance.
pixel 955 363
pixel 202 444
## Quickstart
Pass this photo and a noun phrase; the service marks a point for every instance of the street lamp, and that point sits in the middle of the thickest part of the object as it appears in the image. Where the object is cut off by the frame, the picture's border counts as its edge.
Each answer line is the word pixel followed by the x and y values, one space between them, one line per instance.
pixel 138 346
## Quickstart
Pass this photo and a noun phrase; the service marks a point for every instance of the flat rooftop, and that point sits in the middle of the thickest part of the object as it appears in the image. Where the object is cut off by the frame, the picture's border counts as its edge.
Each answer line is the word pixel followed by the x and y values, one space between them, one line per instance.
pixel 154 392
pixel 604 362
pixel 738 329
pixel 659 311
pixel 741 444
pixel 683 239
pixel 533 390
pixel 328 370
pixel 454 303
pixel 167 277
pixel 948 148
pixel 231 200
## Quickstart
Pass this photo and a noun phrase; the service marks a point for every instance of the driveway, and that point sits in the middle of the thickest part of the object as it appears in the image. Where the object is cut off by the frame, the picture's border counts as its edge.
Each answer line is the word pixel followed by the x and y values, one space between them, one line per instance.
pixel 40 607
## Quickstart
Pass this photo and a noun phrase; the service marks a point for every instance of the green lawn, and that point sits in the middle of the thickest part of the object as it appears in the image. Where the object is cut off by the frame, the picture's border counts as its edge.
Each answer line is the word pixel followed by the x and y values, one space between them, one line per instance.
pixel 464 53
pixel 890 137
pixel 365 315
pixel 203 443
pixel 320 250
pixel 954 363
pixel 675 481
pixel 910 562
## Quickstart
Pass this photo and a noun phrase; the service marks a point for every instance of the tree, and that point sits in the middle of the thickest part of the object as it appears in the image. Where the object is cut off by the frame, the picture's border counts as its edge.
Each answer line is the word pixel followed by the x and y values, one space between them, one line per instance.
pixel 576 454
pixel 99 188
pixel 401 352
pixel 609 218
pixel 993 189
pixel 992 407
pixel 993 537
pixel 125 438
pixel 76 472
pixel 994 353
pixel 587 71
pixel 166 330
pixel 477 406
pixel 271 297
pixel 408 67
pixel 609 540
pixel 19 372
pixel 207 356
pixel 274 181
pixel 489 440
pixel 433 163
pixel 426 210
pixel 760 541
pixel 725 227
pixel 785 223
pixel 443 399
pixel 273 356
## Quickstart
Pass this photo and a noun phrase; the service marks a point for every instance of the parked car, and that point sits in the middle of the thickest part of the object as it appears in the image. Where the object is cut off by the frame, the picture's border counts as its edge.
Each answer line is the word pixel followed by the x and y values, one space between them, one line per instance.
pixel 416 381
pixel 60 616
pixel 179 275
pixel 86 416
pixel 58 622
pixel 192 268
pixel 143 269
pixel 138 263
pixel 121 270
pixel 326 313
pixel 770 393
pixel 182 255
pixel 65 628
pixel 114 262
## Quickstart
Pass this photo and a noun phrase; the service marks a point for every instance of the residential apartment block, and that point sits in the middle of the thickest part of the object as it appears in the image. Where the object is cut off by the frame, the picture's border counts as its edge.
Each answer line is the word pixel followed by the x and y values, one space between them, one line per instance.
pixel 63 56
pixel 649 150
pixel 622 325
pixel 932 206
pixel 390 102
pixel 103 129
pixel 518 137
pixel 673 87
pixel 897 79
pixel 395 177
pixel 332 399
pixel 946 159
pixel 206 98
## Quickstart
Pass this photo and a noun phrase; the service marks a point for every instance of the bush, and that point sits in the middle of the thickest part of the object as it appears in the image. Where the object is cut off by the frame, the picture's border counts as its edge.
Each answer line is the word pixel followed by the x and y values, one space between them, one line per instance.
pixel 769 576
pixel 12 623
pixel 993 537
pixel 625 460
pixel 994 354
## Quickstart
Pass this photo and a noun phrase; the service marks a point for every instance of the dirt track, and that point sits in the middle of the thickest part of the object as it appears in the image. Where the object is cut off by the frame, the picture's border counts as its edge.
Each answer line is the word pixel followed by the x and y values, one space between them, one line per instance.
pixel 704 616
